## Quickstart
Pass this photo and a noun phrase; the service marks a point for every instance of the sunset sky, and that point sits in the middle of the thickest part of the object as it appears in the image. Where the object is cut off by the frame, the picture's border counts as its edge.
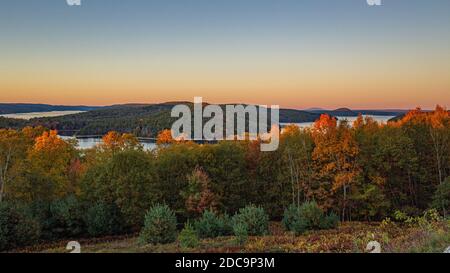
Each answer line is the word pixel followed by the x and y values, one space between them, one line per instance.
pixel 295 53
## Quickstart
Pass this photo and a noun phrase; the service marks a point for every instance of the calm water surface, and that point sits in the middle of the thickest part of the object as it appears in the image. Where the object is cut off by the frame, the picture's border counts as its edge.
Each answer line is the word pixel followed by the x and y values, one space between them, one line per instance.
pixel 87 143
pixel 28 116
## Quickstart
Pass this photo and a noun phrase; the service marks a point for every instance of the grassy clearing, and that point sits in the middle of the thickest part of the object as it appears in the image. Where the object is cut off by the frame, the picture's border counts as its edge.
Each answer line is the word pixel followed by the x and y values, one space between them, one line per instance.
pixel 347 238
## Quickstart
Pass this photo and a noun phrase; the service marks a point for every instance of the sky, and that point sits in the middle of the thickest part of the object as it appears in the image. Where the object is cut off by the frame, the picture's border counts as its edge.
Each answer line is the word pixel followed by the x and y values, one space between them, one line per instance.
pixel 292 53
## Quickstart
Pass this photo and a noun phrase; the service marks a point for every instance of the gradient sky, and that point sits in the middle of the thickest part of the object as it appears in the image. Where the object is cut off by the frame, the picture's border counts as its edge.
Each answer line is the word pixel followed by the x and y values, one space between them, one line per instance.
pixel 295 53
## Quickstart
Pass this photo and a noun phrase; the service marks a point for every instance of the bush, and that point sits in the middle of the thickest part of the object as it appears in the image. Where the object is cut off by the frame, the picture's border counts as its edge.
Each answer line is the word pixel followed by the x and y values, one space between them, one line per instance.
pixel 292 220
pixel 104 219
pixel 441 198
pixel 40 211
pixel 241 232
pixel 254 218
pixel 211 225
pixel 160 226
pixel 188 237
pixel 227 225
pixel 330 221
pixel 311 214
pixel 17 229
pixel 308 217
pixel 66 218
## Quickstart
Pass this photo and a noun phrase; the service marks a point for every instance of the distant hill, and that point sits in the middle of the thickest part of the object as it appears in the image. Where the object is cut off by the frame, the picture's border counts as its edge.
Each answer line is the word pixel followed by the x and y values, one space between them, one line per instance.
pixel 13 108
pixel 401 116
pixel 346 112
pixel 144 120
pixel 314 109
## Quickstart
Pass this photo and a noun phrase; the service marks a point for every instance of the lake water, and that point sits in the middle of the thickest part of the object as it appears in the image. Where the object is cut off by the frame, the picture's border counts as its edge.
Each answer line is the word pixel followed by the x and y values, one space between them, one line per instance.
pixel 28 116
pixel 379 119
pixel 87 143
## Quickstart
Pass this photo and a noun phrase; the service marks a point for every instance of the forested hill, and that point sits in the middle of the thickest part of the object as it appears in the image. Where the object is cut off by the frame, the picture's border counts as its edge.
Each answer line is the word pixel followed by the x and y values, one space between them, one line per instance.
pixel 144 120
pixel 345 112
pixel 13 108
pixel 401 116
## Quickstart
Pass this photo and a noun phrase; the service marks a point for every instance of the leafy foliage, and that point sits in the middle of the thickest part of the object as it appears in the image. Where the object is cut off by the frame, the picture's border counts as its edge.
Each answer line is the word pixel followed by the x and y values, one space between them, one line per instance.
pixel 253 218
pixel 198 194
pixel 210 225
pixel 241 232
pixel 308 217
pixel 67 218
pixel 104 219
pixel 145 120
pixel 126 178
pixel 188 237
pixel 441 198
pixel 160 226
pixel 362 172
pixel 17 229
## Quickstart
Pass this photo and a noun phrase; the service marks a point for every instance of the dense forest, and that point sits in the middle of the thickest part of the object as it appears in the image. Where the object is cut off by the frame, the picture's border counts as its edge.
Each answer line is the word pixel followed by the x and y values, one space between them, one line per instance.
pixel 140 120
pixel 14 108
pixel 363 171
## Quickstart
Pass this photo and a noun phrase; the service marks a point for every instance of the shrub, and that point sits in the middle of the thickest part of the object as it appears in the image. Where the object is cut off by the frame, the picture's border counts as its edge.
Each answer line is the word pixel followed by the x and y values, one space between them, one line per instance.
pixel 330 221
pixel 104 219
pixel 211 225
pixel 441 198
pixel 292 220
pixel 241 232
pixel 308 217
pixel 188 237
pixel 312 214
pixel 17 229
pixel 254 218
pixel 160 226
pixel 66 218
pixel 40 211
pixel 227 225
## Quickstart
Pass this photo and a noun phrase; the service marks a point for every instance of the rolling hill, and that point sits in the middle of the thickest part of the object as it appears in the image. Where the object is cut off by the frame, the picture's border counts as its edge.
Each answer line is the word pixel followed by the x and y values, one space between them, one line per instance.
pixel 13 108
pixel 143 120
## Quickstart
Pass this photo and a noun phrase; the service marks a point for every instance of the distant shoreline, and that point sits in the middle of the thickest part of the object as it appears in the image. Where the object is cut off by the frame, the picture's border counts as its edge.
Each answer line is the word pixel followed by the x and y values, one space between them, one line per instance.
pixel 31 115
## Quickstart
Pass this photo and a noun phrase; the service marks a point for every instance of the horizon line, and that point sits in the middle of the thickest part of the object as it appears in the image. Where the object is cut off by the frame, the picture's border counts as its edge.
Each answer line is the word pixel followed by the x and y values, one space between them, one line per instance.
pixel 314 108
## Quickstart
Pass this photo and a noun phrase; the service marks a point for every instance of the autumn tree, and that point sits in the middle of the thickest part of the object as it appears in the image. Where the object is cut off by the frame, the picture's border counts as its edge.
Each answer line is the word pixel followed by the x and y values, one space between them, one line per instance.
pixel 369 200
pixel 50 161
pixel 296 148
pixel 164 137
pixel 439 130
pixel 429 133
pixel 114 141
pixel 335 153
pixel 13 147
pixel 126 179
pixel 198 194
pixel 15 165
pixel 225 164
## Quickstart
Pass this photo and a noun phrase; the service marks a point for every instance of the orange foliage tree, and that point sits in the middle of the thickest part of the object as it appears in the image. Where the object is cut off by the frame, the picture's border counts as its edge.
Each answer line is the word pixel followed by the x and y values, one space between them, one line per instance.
pixel 335 154
pixel 114 141
pixel 164 137
pixel 51 160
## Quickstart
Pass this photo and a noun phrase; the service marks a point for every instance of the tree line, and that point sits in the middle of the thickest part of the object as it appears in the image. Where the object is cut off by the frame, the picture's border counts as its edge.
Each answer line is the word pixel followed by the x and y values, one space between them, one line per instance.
pixel 362 171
